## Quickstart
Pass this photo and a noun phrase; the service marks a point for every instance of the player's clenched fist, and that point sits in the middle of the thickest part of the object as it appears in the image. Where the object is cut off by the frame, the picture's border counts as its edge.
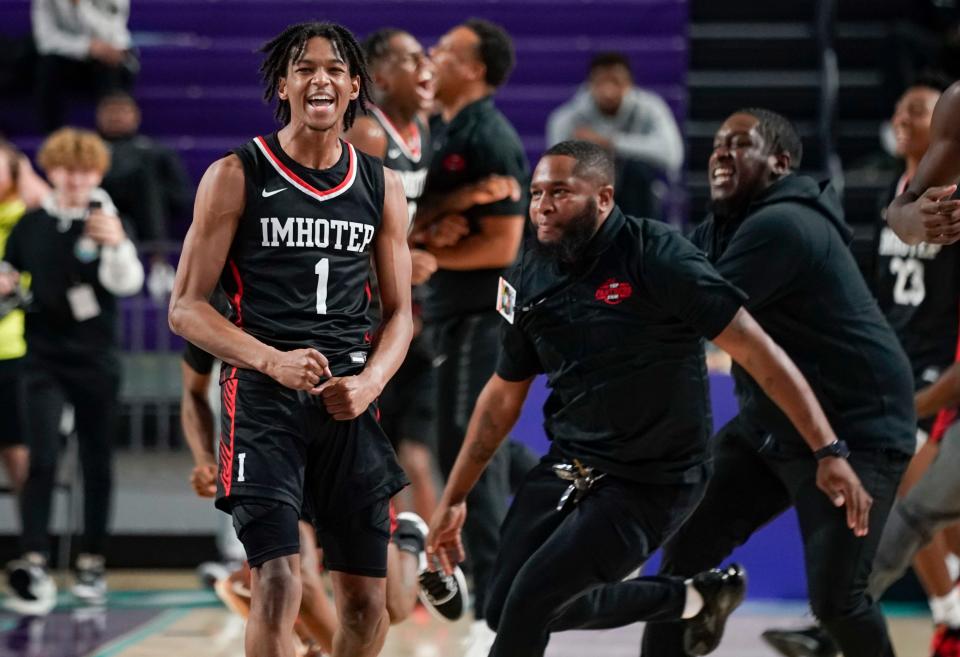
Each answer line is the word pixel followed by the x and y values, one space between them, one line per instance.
pixel 203 478
pixel 347 397
pixel 301 369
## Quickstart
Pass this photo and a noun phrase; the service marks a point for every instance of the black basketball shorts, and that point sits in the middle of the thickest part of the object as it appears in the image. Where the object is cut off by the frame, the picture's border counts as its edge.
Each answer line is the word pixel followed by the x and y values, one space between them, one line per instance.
pixel 11 429
pixel 281 444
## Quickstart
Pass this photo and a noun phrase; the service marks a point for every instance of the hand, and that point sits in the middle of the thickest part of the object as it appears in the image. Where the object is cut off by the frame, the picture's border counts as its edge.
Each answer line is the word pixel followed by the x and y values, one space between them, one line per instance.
pixel 584 133
pixel 300 369
pixel 346 397
pixel 447 231
pixel 424 265
pixel 104 52
pixel 203 478
pixel 494 188
pixel 841 484
pixel 104 228
pixel 9 280
pixel 444 543
pixel 939 215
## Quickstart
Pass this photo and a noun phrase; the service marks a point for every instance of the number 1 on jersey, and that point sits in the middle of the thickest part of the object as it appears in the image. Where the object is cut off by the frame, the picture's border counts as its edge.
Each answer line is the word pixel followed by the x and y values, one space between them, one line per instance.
pixel 322 270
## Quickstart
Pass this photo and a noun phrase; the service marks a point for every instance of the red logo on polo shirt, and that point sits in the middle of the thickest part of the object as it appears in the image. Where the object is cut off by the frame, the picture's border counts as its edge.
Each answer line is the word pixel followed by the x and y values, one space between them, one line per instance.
pixel 454 163
pixel 613 291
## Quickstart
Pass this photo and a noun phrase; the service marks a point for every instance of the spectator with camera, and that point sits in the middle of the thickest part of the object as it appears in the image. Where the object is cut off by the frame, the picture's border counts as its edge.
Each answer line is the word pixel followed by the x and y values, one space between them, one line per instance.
pixel 80 260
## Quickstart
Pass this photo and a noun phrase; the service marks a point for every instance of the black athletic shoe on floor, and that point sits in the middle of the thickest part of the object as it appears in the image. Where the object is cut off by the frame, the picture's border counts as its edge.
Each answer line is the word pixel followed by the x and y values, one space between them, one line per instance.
pixel 722 591
pixel 445 596
pixel 807 642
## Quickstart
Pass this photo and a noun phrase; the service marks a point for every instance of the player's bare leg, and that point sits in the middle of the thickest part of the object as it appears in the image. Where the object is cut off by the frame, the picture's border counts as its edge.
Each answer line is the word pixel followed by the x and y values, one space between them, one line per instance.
pixel 275 601
pixel 361 610
pixel 318 617
pixel 402 583
pixel 417 462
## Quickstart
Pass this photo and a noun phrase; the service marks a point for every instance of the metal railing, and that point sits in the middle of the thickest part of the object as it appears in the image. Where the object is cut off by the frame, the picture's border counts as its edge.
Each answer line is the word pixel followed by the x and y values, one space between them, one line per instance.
pixel 826 19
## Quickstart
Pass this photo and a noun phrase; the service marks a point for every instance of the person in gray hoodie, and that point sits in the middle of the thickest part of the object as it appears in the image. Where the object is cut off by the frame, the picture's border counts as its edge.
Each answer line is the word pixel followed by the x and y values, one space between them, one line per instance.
pixel 634 124
pixel 781 238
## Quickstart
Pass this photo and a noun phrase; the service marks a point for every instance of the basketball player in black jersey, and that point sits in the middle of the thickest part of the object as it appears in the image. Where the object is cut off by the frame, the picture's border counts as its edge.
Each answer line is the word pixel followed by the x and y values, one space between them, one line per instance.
pixel 287 224
pixel 394 131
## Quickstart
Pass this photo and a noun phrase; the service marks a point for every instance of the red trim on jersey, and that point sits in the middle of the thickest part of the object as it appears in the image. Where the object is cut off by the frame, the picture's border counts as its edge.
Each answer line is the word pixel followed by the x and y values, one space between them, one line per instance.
pixel 319 194
pixel 238 295
pixel 393 519
pixel 226 450
pixel 368 291
pixel 410 148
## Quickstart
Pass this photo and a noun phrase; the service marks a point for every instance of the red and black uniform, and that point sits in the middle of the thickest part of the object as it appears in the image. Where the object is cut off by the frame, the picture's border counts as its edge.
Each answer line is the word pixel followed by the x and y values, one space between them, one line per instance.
pixel 297 276
pixel 408 402
pixel 918 289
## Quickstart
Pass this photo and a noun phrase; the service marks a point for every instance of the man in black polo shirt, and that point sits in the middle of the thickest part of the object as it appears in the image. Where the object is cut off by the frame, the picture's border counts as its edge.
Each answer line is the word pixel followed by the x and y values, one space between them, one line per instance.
pixel 472 142
pixel 613 310
pixel 781 238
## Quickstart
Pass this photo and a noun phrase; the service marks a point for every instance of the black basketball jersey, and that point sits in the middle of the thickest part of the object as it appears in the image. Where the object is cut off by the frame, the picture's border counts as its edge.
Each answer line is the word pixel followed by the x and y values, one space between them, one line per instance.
pixel 918 289
pixel 298 270
pixel 409 158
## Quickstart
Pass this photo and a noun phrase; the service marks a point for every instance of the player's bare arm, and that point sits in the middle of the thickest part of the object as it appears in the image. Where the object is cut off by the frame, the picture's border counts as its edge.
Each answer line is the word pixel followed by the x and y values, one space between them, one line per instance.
pixel 496 245
pixel 367 135
pixel 750 346
pixel 196 420
pixel 219 204
pixel 942 393
pixel 925 211
pixel 497 410
pixel 491 189
pixel 348 397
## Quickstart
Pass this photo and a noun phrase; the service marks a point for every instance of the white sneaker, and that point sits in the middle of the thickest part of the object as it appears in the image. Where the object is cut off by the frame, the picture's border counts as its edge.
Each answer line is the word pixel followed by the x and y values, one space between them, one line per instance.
pixel 480 640
pixel 32 591
pixel 91 579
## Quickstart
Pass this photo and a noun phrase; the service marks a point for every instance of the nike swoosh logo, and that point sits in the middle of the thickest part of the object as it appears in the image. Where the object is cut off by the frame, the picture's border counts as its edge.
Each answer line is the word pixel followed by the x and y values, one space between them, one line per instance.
pixel 393 152
pixel 267 194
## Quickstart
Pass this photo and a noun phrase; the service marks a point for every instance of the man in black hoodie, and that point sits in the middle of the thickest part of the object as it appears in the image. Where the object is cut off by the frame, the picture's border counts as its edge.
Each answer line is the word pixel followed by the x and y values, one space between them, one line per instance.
pixel 781 238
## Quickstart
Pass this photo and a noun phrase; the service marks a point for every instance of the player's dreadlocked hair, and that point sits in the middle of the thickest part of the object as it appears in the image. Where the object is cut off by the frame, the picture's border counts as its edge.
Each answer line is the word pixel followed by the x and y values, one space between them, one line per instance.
pixel 289 46
pixel 377 44
pixel 779 133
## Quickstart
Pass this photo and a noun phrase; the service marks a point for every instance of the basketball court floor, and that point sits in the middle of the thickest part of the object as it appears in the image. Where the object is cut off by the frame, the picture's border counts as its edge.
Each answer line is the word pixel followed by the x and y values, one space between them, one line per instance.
pixel 167 615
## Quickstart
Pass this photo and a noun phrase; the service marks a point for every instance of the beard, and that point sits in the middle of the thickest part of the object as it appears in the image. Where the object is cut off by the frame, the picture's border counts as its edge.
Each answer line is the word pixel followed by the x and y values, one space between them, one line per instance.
pixel 577 234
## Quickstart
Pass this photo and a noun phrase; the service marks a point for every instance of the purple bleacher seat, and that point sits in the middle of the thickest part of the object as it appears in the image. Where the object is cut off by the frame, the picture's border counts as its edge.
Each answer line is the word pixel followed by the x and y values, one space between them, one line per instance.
pixel 218 62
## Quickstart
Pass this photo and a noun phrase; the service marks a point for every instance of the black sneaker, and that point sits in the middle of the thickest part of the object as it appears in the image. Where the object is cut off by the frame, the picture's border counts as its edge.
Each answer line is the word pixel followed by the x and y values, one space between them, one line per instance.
pixel 807 642
pixel 32 590
pixel 90 578
pixel 722 591
pixel 445 596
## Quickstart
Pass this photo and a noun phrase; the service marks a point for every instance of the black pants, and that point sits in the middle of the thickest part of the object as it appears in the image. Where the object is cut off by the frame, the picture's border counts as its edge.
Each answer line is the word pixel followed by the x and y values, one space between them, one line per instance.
pixel 93 394
pixel 562 570
pixel 467 348
pixel 751 486
pixel 59 77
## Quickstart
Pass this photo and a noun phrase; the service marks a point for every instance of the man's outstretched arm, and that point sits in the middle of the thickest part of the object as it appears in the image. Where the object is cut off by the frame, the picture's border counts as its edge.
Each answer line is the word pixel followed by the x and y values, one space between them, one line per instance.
pixel 750 346
pixel 494 414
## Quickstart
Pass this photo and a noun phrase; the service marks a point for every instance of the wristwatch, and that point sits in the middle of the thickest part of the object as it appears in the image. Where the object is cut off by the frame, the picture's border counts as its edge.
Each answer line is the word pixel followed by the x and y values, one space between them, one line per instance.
pixel 837 448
